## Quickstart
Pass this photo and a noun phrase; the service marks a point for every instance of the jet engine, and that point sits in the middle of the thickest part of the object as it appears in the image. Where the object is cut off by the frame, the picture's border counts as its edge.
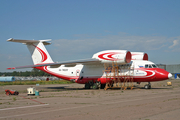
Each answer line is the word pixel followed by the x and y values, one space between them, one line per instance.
pixel 139 56
pixel 109 56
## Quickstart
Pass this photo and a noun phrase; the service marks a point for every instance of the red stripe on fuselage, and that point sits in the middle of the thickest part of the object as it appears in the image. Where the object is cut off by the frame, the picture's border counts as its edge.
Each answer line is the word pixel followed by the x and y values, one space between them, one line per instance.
pixel 45 69
pixel 149 77
pixel 149 73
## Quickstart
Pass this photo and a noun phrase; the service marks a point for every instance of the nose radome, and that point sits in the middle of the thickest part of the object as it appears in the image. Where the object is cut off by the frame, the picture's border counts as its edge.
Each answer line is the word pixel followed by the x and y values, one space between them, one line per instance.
pixel 169 75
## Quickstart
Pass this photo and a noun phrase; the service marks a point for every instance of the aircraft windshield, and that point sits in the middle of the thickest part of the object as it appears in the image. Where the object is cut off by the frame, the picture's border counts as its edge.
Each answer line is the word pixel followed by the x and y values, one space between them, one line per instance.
pixel 150 66
pixel 154 66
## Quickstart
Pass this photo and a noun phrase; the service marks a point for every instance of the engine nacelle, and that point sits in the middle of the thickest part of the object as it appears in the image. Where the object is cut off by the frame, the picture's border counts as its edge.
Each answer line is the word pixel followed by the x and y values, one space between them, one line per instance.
pixel 109 56
pixel 139 56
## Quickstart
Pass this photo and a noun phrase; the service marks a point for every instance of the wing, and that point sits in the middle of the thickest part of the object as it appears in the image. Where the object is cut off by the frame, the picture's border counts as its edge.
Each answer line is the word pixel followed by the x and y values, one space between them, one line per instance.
pixel 73 62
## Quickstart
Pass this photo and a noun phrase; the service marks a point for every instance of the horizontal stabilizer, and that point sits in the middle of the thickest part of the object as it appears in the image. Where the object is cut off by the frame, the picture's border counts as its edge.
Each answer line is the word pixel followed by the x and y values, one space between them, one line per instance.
pixel 29 41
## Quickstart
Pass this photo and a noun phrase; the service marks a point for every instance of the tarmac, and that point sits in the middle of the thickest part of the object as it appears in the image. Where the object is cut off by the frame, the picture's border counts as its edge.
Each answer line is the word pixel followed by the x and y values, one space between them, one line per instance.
pixel 72 101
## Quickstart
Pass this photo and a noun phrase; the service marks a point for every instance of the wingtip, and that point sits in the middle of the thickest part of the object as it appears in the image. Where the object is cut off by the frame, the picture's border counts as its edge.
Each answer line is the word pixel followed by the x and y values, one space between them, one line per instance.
pixel 10 39
pixel 11 68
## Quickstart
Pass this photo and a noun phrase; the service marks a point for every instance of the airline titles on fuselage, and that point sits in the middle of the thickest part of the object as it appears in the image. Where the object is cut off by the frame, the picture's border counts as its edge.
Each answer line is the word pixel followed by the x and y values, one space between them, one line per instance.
pixel 63 69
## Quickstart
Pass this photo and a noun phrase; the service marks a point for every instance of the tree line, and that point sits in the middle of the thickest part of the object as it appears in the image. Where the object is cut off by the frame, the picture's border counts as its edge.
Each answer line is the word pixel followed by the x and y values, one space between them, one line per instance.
pixel 33 72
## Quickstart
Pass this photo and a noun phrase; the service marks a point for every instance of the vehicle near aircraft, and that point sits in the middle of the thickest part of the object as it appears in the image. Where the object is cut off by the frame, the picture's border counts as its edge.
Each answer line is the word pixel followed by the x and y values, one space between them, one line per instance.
pixel 93 72
pixel 11 92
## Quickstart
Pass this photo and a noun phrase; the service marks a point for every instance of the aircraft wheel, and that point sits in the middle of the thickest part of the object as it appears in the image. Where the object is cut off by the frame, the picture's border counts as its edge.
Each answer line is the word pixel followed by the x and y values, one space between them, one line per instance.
pixel 147 86
pixel 95 86
pixel 103 86
pixel 87 86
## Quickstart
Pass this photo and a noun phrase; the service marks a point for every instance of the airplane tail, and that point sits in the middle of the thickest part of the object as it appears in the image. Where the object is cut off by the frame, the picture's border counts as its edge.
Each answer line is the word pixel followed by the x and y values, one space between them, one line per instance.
pixel 37 49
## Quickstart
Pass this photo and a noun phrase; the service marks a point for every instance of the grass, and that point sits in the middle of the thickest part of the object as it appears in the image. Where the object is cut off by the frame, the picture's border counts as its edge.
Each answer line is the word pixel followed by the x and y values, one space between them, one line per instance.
pixel 35 82
pixel 14 98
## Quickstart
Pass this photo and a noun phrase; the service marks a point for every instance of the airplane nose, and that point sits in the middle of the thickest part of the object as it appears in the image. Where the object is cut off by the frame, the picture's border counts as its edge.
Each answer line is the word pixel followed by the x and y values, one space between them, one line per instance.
pixel 169 75
pixel 162 74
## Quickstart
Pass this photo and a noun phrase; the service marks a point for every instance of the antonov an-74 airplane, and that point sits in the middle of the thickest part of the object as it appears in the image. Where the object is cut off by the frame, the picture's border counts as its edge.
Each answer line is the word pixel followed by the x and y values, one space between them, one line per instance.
pixel 91 72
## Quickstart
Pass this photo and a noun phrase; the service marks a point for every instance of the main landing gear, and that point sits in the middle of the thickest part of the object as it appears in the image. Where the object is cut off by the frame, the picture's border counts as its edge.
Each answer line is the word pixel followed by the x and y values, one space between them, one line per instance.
pixel 92 85
pixel 148 86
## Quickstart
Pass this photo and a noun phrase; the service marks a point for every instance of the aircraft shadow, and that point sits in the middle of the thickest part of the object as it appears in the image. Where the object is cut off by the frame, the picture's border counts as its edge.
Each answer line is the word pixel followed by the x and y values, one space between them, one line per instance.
pixel 153 88
pixel 158 88
pixel 137 87
pixel 63 88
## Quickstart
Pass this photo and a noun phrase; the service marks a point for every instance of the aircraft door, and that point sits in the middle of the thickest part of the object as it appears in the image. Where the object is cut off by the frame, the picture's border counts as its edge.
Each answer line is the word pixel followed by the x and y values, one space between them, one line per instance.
pixel 77 73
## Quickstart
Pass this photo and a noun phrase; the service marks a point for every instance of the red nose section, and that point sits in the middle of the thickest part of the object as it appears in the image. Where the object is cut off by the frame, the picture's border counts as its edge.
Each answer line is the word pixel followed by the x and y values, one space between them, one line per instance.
pixel 162 74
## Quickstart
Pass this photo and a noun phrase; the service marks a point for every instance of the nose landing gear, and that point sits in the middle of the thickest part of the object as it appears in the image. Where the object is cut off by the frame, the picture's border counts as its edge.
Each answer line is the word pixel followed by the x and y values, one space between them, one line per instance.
pixel 148 86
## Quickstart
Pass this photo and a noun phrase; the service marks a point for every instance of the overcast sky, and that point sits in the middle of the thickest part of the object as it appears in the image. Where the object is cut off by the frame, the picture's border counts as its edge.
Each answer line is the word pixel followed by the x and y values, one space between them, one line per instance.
pixel 80 28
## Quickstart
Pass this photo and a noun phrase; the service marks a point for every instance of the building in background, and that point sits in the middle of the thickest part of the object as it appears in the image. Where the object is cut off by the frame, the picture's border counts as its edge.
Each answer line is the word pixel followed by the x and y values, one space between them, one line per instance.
pixel 173 69
pixel 7 79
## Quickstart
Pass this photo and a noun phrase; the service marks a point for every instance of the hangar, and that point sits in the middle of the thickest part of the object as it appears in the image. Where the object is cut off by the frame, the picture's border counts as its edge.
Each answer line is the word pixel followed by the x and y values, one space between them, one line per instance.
pixel 7 79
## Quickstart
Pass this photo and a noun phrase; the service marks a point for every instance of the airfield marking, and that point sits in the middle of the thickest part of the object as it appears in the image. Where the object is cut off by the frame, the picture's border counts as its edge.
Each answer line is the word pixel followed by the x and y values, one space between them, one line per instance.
pixel 47 111
pixel 23 107
pixel 32 100
pixel 83 106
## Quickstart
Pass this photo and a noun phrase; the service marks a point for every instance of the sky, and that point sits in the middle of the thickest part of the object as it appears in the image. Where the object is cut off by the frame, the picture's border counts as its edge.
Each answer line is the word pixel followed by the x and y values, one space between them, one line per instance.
pixel 81 28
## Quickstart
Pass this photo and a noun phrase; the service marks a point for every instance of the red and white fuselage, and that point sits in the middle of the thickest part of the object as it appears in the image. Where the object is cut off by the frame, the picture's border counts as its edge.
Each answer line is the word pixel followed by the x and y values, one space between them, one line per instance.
pixel 83 71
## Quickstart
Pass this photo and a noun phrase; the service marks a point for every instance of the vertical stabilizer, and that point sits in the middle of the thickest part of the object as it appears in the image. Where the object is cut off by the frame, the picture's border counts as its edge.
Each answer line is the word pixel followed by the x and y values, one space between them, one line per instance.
pixel 37 49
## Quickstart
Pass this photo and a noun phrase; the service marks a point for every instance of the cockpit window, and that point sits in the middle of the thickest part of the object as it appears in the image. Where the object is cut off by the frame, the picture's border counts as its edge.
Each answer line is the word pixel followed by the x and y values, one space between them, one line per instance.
pixel 146 66
pixel 150 66
pixel 154 66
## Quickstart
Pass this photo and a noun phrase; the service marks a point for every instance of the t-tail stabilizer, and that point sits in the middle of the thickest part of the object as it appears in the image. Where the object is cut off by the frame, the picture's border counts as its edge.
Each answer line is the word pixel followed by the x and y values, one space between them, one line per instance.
pixel 37 49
